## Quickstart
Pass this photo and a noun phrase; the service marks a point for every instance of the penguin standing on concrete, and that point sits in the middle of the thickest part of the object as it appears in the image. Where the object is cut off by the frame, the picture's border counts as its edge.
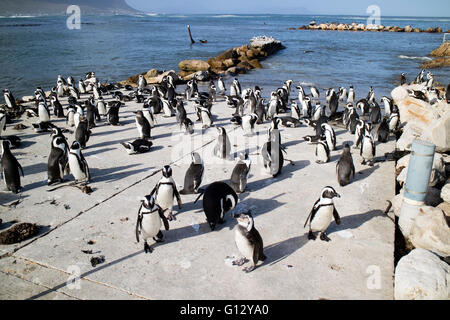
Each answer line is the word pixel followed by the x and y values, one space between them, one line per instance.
pixel 78 164
pixel 43 112
pixel 58 158
pixel 148 223
pixel 221 86
pixel 2 121
pixel 222 148
pixel 165 191
pixel 248 123
pixel 367 151
pixel 240 173
pixel 272 150
pixel 329 135
pixel 113 113
pixel 351 95
pixel 321 214
pixel 383 130
pixel 57 107
pixel 375 113
pixel 10 168
pixel 9 99
pixel 194 175
pixel 142 83
pixel 82 132
pixel 218 199
pixel 322 152
pixel 248 241
pixel 142 126
pixel 345 169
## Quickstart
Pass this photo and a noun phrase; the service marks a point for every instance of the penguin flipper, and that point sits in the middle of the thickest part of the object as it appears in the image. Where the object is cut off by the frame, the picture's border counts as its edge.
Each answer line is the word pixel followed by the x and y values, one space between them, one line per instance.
pixel 177 195
pixel 163 218
pixel 20 167
pixel 139 223
pixel 312 213
pixel 337 219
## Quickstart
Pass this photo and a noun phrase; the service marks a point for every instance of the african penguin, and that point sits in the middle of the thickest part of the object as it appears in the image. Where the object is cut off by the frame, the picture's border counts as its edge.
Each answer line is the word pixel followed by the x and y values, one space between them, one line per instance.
pixel 166 191
pixel 194 175
pixel 10 168
pixel 82 132
pixel 78 164
pixel 321 214
pixel 58 158
pixel 218 199
pixel 149 224
pixel 222 148
pixel 142 126
pixel 322 152
pixel 137 146
pixel 345 169
pixel 367 151
pixel 240 172
pixel 248 241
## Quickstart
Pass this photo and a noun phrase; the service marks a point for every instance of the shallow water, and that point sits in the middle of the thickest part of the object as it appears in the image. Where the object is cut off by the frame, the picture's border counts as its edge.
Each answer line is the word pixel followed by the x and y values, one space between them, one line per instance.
pixel 34 50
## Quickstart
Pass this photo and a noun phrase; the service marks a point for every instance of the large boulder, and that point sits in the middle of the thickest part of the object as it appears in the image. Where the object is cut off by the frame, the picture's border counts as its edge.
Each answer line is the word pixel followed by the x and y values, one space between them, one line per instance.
pixel 412 109
pixel 445 192
pixel 430 231
pixel 229 54
pixel 193 65
pixel 442 51
pixel 421 275
pixel 408 29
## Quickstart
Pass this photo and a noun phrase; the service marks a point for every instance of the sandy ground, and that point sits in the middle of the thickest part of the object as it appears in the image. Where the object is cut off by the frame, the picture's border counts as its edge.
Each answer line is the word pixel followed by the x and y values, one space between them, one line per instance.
pixel 194 262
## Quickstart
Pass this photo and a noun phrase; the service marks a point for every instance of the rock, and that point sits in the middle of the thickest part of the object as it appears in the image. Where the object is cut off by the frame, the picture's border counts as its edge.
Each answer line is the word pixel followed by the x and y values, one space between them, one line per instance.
pixel 445 192
pixel 158 79
pixel 442 51
pixel 342 27
pixel 421 275
pixel 230 53
pixel 18 232
pixel 215 64
pixel 436 63
pixel 184 74
pixel 417 30
pixel 266 44
pixel 244 64
pixel 410 132
pixel 431 199
pixel 445 207
pixel 228 63
pixel 152 73
pixel 408 29
pixel 323 26
pixel 430 231
pixel 193 65
pixel 236 70
pixel 255 64
pixel 253 53
pixel 412 109
pixel 440 134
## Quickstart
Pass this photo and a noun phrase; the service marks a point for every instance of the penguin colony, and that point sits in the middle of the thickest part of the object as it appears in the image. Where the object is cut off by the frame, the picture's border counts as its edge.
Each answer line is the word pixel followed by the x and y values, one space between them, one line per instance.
pixel 92 103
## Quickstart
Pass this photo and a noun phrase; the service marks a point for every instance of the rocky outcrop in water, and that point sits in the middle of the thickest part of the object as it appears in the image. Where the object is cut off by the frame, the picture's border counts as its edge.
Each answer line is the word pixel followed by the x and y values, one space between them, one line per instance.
pixel 443 57
pixel 361 27
pixel 234 61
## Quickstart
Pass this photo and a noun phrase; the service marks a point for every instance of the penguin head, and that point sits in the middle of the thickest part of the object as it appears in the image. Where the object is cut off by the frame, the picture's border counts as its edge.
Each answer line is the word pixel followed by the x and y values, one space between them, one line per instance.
pixel 6 144
pixel 329 192
pixel 245 220
pixel 148 202
pixel 221 131
pixel 230 201
pixel 167 171
pixel 58 142
pixel 346 149
pixel 75 146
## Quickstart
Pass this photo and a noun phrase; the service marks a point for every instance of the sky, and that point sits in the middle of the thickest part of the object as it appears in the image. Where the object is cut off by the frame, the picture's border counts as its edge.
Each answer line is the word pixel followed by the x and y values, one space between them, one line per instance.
pixel 425 8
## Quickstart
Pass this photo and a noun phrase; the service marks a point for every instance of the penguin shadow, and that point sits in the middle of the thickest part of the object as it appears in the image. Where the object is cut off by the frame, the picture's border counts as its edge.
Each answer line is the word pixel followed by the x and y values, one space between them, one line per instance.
pixel 115 173
pixel 355 221
pixel 281 250
pixel 364 173
pixel 88 273
pixel 339 132
pixel 91 153
pixel 286 173
pixel 7 198
pixel 23 145
pixel 95 134
pixel 292 143
pixel 35 168
pixel 164 135
pixel 107 143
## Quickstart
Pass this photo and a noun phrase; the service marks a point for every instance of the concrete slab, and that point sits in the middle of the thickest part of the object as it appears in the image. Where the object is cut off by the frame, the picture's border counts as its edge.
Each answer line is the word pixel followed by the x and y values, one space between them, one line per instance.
pixel 193 262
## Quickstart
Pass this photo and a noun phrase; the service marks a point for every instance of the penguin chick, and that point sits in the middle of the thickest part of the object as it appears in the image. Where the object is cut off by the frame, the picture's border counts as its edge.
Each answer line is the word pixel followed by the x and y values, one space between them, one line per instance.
pixel 248 241
pixel 345 169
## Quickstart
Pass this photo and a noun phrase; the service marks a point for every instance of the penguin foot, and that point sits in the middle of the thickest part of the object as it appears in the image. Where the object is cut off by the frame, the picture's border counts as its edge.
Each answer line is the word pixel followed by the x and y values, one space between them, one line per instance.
pixel 363 162
pixel 158 240
pixel 311 236
pixel 324 237
pixel 147 248
pixel 248 269
pixel 171 217
pixel 239 262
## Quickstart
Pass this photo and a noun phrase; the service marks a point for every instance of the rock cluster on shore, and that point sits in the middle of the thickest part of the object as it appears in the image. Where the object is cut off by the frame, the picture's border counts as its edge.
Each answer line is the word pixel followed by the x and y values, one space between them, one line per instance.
pixel 442 55
pixel 362 27
pixel 238 60
pixel 421 274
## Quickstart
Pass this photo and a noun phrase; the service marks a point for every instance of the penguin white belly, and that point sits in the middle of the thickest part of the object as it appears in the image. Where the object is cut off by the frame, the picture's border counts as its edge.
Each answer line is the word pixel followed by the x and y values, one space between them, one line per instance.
pixel 76 119
pixel 244 246
pixel 139 128
pixel 71 119
pixel 75 168
pixel 321 153
pixel 322 218
pixel 101 109
pixel 246 126
pixel 206 119
pixel 165 196
pixel 329 138
pixel 43 114
pixel 151 224
pixel 167 110
pixel 367 149
pixel 272 108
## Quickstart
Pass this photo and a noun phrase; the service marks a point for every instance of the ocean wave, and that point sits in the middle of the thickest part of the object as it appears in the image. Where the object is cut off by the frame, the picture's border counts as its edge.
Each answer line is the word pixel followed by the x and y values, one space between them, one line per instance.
pixel 414 58
pixel 226 16
pixel 16 17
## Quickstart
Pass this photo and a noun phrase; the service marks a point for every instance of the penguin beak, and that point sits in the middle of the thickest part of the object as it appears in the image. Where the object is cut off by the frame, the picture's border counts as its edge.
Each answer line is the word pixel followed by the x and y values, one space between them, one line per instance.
pixel 337 195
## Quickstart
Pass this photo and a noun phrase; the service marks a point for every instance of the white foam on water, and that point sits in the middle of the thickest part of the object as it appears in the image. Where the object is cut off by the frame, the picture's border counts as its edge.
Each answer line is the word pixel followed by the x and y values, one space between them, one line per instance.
pixel 414 58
